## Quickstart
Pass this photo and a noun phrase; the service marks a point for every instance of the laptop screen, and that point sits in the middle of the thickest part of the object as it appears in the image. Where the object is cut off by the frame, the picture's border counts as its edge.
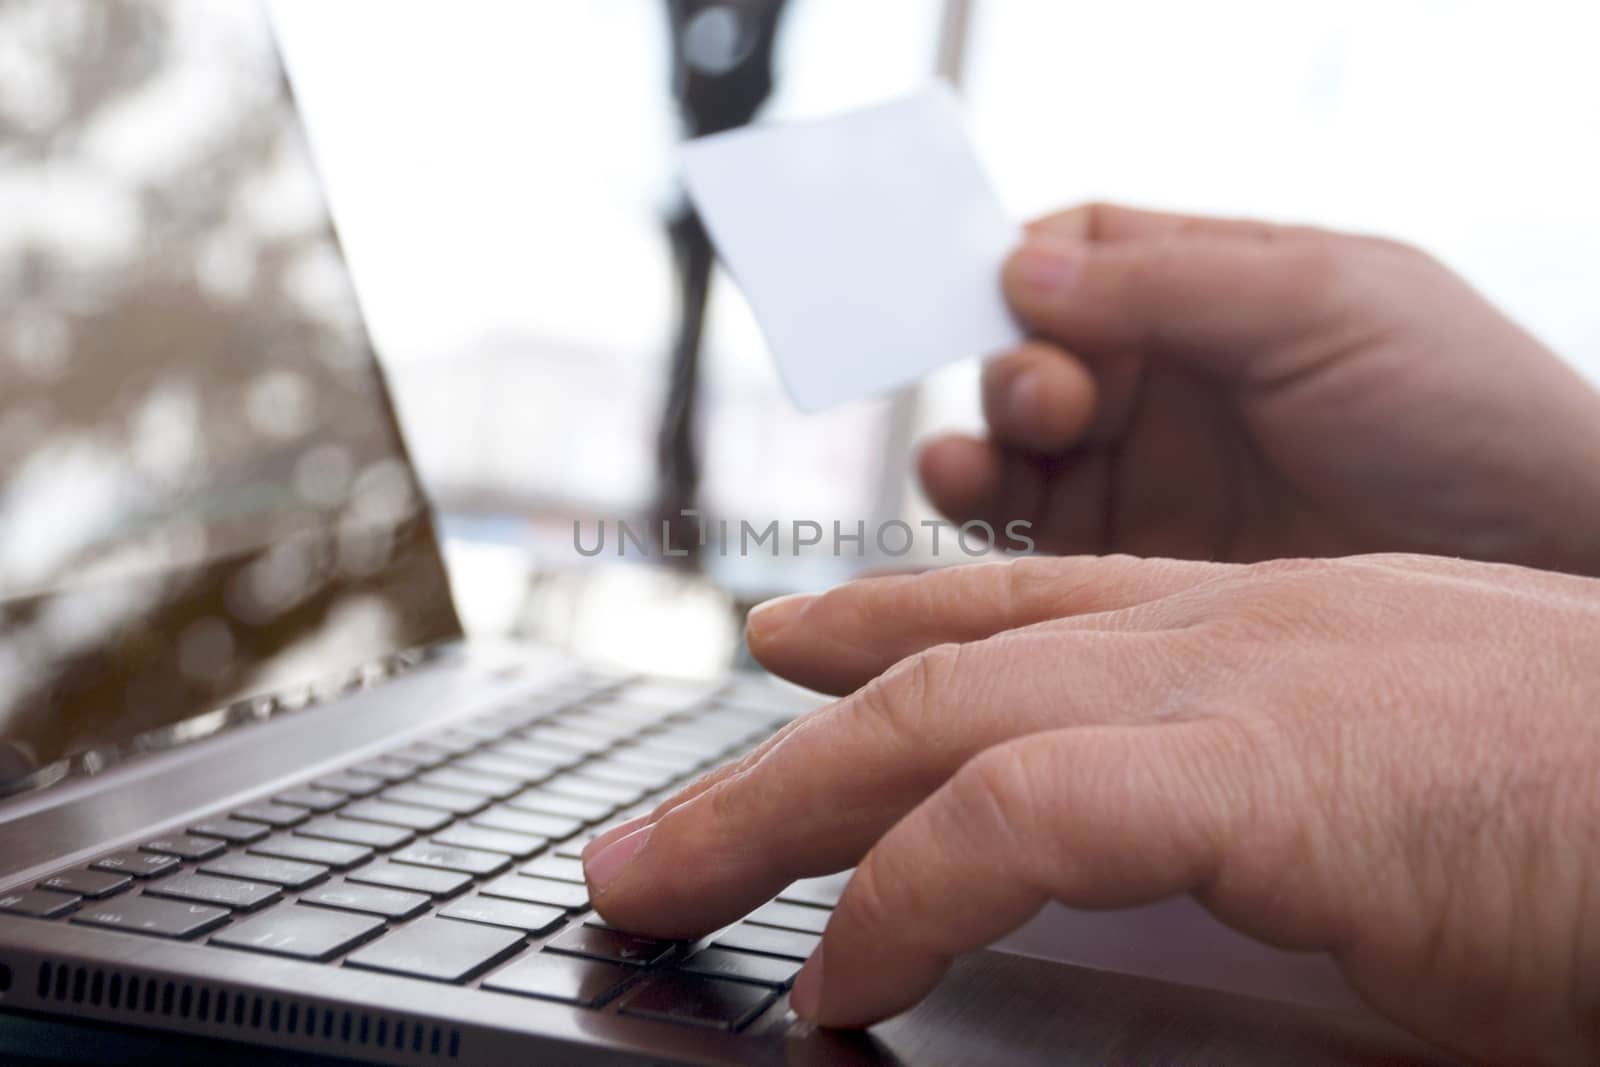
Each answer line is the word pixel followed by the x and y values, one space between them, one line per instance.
pixel 204 495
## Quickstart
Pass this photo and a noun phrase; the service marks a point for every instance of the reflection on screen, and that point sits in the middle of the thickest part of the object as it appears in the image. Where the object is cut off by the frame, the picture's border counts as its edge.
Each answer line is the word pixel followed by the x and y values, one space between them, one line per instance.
pixel 203 493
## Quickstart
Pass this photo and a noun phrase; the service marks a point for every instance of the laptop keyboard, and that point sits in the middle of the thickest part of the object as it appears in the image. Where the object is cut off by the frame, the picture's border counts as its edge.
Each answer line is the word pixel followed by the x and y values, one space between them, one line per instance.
pixel 456 859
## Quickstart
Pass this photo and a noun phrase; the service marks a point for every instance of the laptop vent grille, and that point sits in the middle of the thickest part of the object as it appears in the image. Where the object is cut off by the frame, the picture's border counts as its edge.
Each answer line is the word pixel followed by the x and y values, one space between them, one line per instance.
pixel 243 1013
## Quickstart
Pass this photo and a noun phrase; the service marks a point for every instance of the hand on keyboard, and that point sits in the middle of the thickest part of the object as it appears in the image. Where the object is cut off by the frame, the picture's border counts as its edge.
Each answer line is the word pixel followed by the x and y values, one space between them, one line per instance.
pixel 1388 758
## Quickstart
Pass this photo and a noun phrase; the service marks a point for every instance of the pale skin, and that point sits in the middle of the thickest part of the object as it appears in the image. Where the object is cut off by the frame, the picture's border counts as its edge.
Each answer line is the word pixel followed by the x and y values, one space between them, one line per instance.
pixel 1390 758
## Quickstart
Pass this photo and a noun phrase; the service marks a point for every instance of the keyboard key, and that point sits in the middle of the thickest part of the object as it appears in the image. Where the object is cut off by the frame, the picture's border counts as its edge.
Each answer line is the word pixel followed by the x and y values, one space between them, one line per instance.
pixel 335 854
pixel 517 846
pixel 448 858
pixel 599 725
pixel 630 731
pixel 291 874
pixel 355 785
pixel 561 868
pixel 787 916
pixel 648 779
pixel 642 755
pixel 278 816
pixel 320 801
pixel 539 891
pixel 490 785
pixel 667 694
pixel 585 983
pixel 139 864
pixel 573 785
pixel 763 970
pixel 512 719
pixel 479 730
pixel 589 744
pixel 612 945
pixel 434 882
pixel 821 892
pixel 572 848
pixel 36 904
pixel 552 827
pixel 232 831
pixel 353 832
pixel 301 933
pixel 766 940
pixel 455 742
pixel 421 755
pixel 529 918
pixel 709 1002
pixel 589 809
pixel 222 892
pixel 426 796
pixel 727 723
pixel 386 769
pixel 717 737
pixel 522 770
pixel 557 759
pixel 86 883
pixel 688 745
pixel 158 918
pixel 624 711
pixel 373 900
pixel 185 847
pixel 438 949
pixel 409 816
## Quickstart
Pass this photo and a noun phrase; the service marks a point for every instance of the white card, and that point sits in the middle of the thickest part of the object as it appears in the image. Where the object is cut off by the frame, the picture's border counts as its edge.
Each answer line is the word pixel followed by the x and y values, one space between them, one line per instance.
pixel 869 244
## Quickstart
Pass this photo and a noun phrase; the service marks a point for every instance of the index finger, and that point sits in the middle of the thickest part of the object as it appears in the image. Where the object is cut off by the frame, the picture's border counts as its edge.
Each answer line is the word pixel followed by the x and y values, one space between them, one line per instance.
pixel 815 799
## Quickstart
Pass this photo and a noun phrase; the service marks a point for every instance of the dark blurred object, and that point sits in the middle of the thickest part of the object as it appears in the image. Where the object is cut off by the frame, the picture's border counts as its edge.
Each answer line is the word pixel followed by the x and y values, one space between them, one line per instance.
pixel 721 75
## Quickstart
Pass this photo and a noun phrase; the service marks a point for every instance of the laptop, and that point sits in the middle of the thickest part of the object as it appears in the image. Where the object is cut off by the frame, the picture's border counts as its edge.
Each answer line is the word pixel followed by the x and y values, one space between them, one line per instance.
pixel 254 785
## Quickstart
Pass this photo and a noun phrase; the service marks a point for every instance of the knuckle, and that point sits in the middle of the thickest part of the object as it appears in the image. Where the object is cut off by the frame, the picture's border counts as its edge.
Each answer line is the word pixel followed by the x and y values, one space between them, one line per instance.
pixel 723 803
pixel 1268 617
pixel 1272 578
pixel 870 900
pixel 1345 271
pixel 700 827
pixel 898 699
pixel 1320 265
pixel 1094 214
pixel 713 809
pixel 1022 577
pixel 1066 577
pixel 992 799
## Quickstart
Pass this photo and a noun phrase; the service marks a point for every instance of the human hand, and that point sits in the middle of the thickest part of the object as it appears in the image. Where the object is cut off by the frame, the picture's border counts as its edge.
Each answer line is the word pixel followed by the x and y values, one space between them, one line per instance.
pixel 1211 389
pixel 1391 759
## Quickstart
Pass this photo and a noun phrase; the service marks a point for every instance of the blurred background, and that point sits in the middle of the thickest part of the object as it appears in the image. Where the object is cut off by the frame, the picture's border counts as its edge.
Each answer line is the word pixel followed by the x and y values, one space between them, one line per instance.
pixel 502 172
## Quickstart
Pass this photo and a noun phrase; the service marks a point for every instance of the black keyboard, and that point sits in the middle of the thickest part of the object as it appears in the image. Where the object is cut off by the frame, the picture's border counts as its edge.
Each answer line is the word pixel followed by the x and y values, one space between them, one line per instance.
pixel 455 858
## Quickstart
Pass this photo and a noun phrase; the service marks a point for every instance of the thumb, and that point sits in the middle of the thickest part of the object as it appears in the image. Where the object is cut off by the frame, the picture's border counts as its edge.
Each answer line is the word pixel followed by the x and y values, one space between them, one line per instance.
pixel 1251 307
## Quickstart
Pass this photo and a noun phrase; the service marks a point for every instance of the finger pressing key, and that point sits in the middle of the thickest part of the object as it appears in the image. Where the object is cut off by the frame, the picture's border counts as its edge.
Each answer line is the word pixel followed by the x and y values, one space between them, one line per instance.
pixel 815 799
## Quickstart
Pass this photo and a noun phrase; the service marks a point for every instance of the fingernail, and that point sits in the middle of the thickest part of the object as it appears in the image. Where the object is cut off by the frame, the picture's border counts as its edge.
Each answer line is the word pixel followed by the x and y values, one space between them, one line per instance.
pixel 1047 263
pixel 603 868
pixel 805 996
pixel 1022 397
pixel 616 833
pixel 767 619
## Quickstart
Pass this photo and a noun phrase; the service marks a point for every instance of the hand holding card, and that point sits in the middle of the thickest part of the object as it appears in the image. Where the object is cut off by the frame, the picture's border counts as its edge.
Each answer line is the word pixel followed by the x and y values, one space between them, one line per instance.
pixel 869 245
